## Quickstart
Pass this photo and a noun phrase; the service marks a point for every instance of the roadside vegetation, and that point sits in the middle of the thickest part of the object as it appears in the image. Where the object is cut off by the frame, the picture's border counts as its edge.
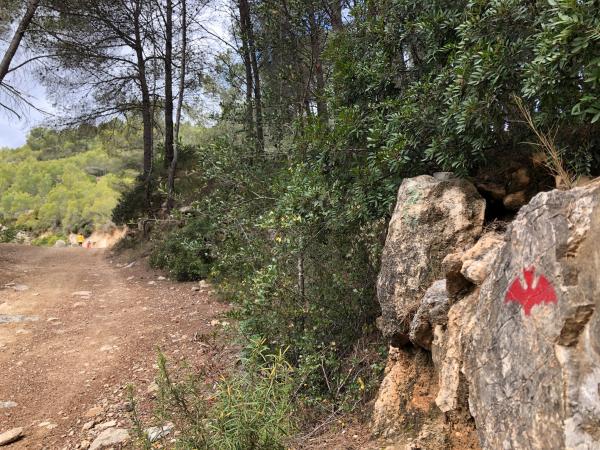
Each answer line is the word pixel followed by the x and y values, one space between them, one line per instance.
pixel 283 201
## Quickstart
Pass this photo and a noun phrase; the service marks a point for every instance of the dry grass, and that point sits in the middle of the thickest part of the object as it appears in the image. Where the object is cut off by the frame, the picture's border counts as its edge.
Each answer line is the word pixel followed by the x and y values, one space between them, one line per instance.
pixel 547 143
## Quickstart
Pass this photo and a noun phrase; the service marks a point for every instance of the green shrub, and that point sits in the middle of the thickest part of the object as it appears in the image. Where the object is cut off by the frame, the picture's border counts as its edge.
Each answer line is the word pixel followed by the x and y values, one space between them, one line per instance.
pixel 251 408
pixel 8 234
pixel 185 254
pixel 131 205
pixel 49 240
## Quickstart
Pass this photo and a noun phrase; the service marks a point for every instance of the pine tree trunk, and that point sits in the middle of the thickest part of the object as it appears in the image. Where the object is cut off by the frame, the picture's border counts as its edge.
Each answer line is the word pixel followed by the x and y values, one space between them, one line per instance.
pixel 173 166
pixel 248 66
pixel 336 15
pixel 168 84
pixel 146 99
pixel 248 32
pixel 32 6
pixel 315 44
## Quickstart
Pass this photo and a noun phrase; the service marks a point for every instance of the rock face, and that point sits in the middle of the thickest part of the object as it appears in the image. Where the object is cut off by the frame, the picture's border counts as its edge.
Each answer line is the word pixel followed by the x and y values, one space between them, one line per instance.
pixel 448 352
pixel 432 311
pixel 407 393
pixel 533 358
pixel 433 217
pixel 477 261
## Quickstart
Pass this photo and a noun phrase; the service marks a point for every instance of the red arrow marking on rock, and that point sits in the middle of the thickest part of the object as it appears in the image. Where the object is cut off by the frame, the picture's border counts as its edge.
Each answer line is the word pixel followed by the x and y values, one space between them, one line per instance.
pixel 528 296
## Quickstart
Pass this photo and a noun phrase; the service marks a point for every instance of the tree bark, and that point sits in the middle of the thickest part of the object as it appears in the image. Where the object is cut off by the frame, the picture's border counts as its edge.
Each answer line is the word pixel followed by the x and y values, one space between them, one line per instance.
pixel 32 6
pixel 301 279
pixel 168 84
pixel 173 166
pixel 146 98
pixel 315 44
pixel 246 24
pixel 244 20
pixel 336 15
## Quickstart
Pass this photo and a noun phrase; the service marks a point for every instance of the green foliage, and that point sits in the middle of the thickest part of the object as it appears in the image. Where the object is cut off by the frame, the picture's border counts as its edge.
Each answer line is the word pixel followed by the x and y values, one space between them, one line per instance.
pixel 57 183
pixel 251 408
pixel 274 221
pixel 131 205
pixel 428 85
pixel 185 254
pixel 7 234
pixel 48 240
pixel 254 408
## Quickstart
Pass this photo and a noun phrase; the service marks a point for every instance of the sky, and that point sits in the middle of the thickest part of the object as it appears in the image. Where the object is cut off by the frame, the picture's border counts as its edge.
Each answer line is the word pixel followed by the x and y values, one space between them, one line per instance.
pixel 14 130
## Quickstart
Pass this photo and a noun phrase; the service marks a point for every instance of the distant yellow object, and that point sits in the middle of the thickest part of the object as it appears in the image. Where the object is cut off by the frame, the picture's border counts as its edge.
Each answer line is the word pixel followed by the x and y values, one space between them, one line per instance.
pixel 80 239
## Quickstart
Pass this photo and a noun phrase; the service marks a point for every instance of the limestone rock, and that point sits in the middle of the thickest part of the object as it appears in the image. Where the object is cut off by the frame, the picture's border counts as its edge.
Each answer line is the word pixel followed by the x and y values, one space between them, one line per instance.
pixel 477 261
pixel 110 437
pixel 533 361
pixel 10 436
pixel 106 425
pixel 448 352
pixel 406 395
pixel 20 287
pixel 520 178
pixel 432 218
pixel 494 190
pixel 60 244
pixel 433 310
pixel 456 283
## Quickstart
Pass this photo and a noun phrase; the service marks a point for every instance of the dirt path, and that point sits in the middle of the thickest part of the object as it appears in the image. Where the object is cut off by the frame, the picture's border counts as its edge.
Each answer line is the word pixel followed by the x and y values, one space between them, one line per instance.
pixel 71 355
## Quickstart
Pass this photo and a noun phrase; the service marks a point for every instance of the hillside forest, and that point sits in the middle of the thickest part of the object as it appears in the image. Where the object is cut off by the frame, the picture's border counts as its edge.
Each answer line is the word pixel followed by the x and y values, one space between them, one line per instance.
pixel 266 156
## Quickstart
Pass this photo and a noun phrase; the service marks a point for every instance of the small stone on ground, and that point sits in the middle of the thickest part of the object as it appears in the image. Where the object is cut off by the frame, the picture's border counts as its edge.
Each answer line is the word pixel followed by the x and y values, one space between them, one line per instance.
pixel 9 404
pixel 156 433
pixel 110 437
pixel 10 436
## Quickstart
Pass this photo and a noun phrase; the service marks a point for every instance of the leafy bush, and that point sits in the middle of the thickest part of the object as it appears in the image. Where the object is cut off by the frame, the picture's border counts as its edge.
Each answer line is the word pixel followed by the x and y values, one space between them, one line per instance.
pixel 274 225
pixel 254 408
pixel 48 240
pixel 185 254
pixel 131 205
pixel 7 234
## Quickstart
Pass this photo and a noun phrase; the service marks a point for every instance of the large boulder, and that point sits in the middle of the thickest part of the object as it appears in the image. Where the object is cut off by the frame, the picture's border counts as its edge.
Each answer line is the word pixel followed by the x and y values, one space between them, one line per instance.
pixel 533 358
pixel 433 217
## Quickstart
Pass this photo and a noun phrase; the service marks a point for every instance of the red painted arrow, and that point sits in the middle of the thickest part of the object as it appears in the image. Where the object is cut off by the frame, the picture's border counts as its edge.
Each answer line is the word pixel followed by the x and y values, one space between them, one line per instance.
pixel 528 296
